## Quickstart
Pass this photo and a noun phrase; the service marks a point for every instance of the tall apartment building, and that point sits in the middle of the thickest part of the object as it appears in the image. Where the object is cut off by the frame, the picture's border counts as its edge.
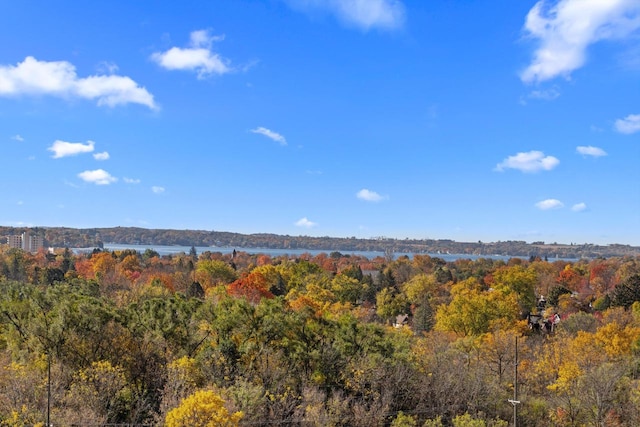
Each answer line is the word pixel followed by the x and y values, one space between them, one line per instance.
pixel 31 243
pixel 14 241
pixel 26 242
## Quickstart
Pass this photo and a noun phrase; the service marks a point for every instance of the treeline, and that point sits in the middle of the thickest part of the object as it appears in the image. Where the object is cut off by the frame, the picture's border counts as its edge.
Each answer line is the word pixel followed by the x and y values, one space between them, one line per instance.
pixel 94 237
pixel 330 340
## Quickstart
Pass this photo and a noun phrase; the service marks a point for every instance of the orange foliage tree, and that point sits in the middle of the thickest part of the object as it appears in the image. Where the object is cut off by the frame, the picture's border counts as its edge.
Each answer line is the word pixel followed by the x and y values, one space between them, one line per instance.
pixel 253 286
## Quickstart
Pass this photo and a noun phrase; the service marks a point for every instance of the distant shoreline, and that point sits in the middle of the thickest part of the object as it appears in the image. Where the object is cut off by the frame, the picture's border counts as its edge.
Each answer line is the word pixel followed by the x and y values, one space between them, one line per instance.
pixel 94 237
pixel 176 249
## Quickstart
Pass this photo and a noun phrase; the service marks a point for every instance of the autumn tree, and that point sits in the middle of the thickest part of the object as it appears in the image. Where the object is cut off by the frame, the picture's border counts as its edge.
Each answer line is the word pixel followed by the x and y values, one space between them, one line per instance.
pixel 424 294
pixel 253 286
pixel 103 267
pixel 627 292
pixel 213 272
pixel 473 311
pixel 346 288
pixel 520 281
pixel 390 303
pixel 204 408
pixel 570 278
pixel 98 395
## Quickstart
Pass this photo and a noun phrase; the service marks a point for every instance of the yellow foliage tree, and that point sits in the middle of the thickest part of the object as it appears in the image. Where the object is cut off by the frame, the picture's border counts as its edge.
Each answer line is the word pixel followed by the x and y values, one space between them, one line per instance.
pixel 518 280
pixel 214 272
pixel 103 265
pixel 204 408
pixel 96 394
pixel 473 311
pixel 421 286
pixel 498 350
pixel 587 351
pixel 317 297
pixel 130 267
pixel 615 340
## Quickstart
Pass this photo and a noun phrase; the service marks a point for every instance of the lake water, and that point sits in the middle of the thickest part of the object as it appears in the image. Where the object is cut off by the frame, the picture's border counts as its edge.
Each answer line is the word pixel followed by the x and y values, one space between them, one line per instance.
pixel 171 250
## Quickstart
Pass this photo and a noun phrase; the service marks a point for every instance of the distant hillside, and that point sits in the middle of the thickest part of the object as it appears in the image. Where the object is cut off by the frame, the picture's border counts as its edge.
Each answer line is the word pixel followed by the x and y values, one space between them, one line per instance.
pixel 92 237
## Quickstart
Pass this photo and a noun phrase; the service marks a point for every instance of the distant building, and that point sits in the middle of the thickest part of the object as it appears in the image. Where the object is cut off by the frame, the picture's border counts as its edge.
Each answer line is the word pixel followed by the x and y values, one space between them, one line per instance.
pixel 31 243
pixel 26 242
pixel 14 242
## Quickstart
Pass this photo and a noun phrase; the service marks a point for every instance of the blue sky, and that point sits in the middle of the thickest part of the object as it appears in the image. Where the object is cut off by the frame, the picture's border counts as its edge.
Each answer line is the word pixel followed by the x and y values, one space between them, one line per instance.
pixel 466 120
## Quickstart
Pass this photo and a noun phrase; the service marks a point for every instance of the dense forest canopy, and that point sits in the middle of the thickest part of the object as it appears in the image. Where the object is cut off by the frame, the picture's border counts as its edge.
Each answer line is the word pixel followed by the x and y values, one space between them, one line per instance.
pixel 92 237
pixel 325 340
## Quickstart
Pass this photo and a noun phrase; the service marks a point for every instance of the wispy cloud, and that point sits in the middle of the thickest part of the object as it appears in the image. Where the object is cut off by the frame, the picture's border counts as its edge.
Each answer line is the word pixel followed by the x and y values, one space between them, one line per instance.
pixel 549 204
pixel 370 196
pixel 106 67
pixel 579 207
pixel 131 180
pixel 591 151
pixel 98 177
pixel 198 57
pixel 59 78
pixel 275 136
pixel 17 138
pixel 65 149
pixel 305 223
pixel 566 28
pixel 157 190
pixel 363 14
pixel 541 95
pixel 628 125
pixel 101 156
pixel 532 161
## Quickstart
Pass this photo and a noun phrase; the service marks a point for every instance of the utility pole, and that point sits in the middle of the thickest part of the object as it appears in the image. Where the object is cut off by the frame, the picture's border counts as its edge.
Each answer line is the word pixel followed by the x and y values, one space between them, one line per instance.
pixel 515 402
pixel 48 388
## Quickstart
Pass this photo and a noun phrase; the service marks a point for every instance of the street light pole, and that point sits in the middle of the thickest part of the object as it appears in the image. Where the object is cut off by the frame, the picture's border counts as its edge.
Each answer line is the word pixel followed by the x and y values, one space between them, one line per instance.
pixel 515 402
pixel 48 389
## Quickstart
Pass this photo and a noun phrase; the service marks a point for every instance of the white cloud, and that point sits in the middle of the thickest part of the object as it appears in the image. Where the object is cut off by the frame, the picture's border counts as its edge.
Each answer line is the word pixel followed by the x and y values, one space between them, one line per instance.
pixel 304 222
pixel 20 203
pixel 131 181
pixel 98 177
pixel 549 204
pixel 364 14
pixel 545 95
pixel 101 156
pixel 532 161
pixel 369 196
pixel 628 125
pixel 157 190
pixel 65 149
pixel 197 57
pixel 566 28
pixel 17 138
pixel 106 67
pixel 591 151
pixel 59 78
pixel 579 207
pixel 270 134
